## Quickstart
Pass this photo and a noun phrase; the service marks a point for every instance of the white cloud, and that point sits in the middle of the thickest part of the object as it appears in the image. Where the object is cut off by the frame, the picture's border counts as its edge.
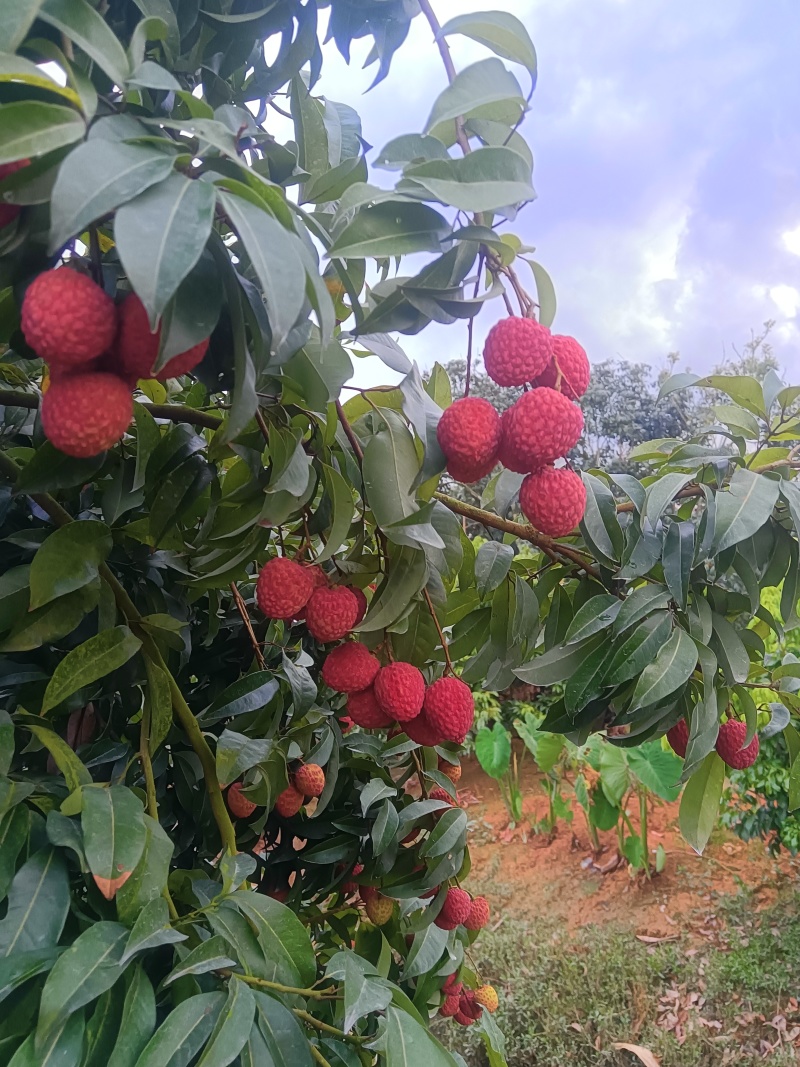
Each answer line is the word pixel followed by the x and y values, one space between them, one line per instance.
pixel 791 239
pixel 787 299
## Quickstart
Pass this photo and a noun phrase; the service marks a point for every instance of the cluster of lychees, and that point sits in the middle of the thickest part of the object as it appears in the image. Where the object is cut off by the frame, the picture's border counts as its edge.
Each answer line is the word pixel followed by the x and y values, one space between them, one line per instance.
pixel 307 782
pixel 730 743
pixel 463 1004
pixel 96 352
pixel 541 427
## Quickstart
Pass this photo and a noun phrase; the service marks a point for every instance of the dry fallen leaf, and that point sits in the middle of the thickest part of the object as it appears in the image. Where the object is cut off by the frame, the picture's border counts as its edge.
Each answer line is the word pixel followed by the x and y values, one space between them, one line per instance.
pixel 644 1054
pixel 649 939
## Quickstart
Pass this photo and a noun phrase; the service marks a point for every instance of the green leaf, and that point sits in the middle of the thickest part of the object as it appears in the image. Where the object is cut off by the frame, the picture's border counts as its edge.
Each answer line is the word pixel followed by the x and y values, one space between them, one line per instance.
pixel 409 1044
pixel 275 260
pixel 31 128
pixel 183 1033
pixel 587 680
pixel 408 574
pixel 342 511
pixel 38 903
pixel 729 649
pixel 677 559
pixel 96 178
pixel 64 1047
pixel 75 774
pixel 700 802
pixel 15 21
pixel 545 293
pixel 671 668
pixel 449 834
pixel 657 770
pixel 409 148
pixel 89 967
pixel 14 829
pixel 114 835
pixel 237 753
pixel 614 778
pixel 53 621
pixel 94 659
pixel 499 30
pixel 557 664
pixel 493 749
pixel 151 75
pixel 103 1028
pixel 138 1020
pixel 69 559
pixel 157 719
pixel 149 875
pixel 283 939
pixel 473 89
pixel 660 494
pixel 210 955
pixel 22 966
pixel 161 235
pixel 152 928
pixel 232 1029
pixel 286 1044
pixel 384 828
pixel 492 564
pixel 249 693
pixel 50 469
pixel 600 525
pixel 598 613
pixel 744 508
pixel 426 951
pixel 364 991
pixel 14 596
pixel 639 649
pixel 638 604
pixel 79 21
pixel 741 388
pixel 488 179
pixel 391 229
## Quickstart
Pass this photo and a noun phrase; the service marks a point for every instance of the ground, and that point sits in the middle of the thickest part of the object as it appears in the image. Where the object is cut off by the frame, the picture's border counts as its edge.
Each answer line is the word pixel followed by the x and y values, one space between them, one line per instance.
pixel 698 967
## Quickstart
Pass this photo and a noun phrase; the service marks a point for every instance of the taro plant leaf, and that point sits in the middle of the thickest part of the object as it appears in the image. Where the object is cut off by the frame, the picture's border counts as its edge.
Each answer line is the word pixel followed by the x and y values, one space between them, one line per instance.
pixel 499 30
pixel 90 661
pixel 31 128
pixel 678 558
pixel 744 507
pixel 671 668
pixel 114 835
pixel 184 1031
pixel 493 749
pixel 614 777
pixel 232 1028
pixel 700 802
pixel 38 903
pixel 89 967
pixel 657 770
pixel 409 1043
pixel 69 559
pixel 138 1020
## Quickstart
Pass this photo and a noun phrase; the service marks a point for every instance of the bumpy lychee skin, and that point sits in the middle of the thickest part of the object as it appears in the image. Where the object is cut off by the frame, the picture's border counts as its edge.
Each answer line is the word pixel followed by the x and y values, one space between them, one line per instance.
pixel 450 1006
pixel 469 433
pixel 517 351
pixel 730 740
pixel 507 454
pixel 363 603
pixel 400 691
pixel 678 737
pixel 568 371
pixel 469 1005
pixel 137 348
pixel 310 780
pixel 365 711
pixel 452 986
pixel 350 667
pixel 84 414
pixel 331 613
pixel 379 909
pixel 420 730
pixel 486 996
pixel 67 319
pixel 8 212
pixel 542 426
pixel 346 724
pixel 450 770
pixel 283 588
pixel 467 473
pixel 478 914
pixel 437 793
pixel 239 805
pixel 553 499
pixel 289 802
pixel 450 708
pixel 455 909
pixel 462 1019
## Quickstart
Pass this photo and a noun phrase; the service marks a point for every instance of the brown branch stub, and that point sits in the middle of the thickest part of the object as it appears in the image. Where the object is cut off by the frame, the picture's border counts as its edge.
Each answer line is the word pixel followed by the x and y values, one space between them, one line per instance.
pixel 241 607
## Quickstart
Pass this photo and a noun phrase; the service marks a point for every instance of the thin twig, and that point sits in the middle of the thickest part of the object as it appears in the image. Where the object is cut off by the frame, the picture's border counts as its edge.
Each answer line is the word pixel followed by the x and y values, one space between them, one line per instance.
pixel 350 433
pixel 326 1028
pixel 245 615
pixel 317 1055
pixel 438 625
pixel 449 66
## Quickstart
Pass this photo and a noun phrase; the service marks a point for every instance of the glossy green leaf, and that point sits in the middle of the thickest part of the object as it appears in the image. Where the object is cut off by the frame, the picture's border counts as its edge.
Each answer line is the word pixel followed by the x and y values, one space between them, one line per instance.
pixel 391 230
pixel 79 21
pixel 232 1029
pixel 729 649
pixel 249 693
pixel 63 1048
pixel 744 507
pixel 657 770
pixel 68 559
pixel 493 749
pixel 31 128
pixel 557 664
pixel 700 802
pixel 671 668
pixel 409 1044
pixel 184 1032
pixel 70 765
pixel 283 1039
pixel 94 659
pixel 114 835
pixel 364 991
pixel 600 525
pixel 20 967
pixel 407 576
pixel 282 937
pixel 499 30
pixel 15 21
pixel 138 1020
pixel 639 649
pixel 474 88
pixel 638 604
pixel 678 559
pixel 492 564
pixel 488 179
pixel 38 903
pixel 210 955
pixel 598 613
pixel 14 830
pixel 149 875
pixel 152 928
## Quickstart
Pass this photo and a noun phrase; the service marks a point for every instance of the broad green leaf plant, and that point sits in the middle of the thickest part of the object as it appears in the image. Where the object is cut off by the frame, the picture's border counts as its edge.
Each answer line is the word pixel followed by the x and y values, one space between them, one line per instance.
pixel 140 924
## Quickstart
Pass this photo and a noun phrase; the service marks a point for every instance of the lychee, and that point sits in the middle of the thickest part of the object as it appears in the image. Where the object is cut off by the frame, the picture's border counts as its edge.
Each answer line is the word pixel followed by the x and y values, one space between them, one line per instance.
pixel 517 351
pixel 450 1005
pixel 8 212
pixel 469 1005
pixel 240 806
pixel 450 770
pixel 400 690
pixel 283 588
pixel 350 668
pixel 467 473
pixel 678 737
pixel 455 909
pixel 346 724
pixel 462 1019
pixel 730 740
pixel 349 887
pixel 553 500
pixel 419 729
pixel 450 708
pixel 478 914
pixel 331 613
pixel 568 371
pixel 136 347
pixel 437 793
pixel 486 996
pixel 469 433
pixel 310 780
pixel 379 909
pixel 289 802
pixel 318 578
pixel 367 893
pixel 542 426
pixel 365 711
pixel 84 414
pixel 452 986
pixel 363 604
pixel 66 318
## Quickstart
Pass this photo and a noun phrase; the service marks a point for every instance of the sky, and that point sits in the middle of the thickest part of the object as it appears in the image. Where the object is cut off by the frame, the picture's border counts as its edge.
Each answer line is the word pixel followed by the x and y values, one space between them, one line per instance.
pixel 666 139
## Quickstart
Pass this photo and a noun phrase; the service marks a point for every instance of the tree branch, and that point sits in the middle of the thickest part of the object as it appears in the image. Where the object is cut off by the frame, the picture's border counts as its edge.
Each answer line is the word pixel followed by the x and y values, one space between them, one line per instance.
pixel 355 444
pixel 438 625
pixel 173 412
pixel 449 66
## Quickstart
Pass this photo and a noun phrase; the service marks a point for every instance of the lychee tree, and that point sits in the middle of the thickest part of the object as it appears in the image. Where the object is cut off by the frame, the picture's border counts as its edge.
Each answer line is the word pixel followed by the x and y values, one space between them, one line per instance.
pixel 227 829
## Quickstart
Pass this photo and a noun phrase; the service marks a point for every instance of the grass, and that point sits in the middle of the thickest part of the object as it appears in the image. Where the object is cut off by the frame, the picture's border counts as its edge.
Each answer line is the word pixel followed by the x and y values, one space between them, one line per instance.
pixel 567 998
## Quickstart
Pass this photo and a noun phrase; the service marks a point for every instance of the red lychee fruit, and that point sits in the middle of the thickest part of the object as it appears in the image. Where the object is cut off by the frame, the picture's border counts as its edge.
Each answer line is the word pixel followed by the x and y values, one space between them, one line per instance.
pixel 346 724
pixel 331 613
pixel 379 909
pixel 553 500
pixel 450 770
pixel 8 212
pixel 469 433
pixel 542 426
pixel 455 909
pixel 365 711
pixel 469 1005
pixel 478 914
pixel 289 802
pixel 350 668
pixel 84 414
pixel 67 319
pixel 450 1005
pixel 363 604
pixel 467 473
pixel 730 740
pixel 568 371
pixel 517 351
pixel 420 730
pixel 678 737
pixel 367 893
pixel 462 1019
pixel 136 348
pixel 486 996
pixel 283 588
pixel 349 887
pixel 310 780
pixel 400 691
pixel 238 804
pixel 318 578
pixel 438 793
pixel 450 708
pixel 452 986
